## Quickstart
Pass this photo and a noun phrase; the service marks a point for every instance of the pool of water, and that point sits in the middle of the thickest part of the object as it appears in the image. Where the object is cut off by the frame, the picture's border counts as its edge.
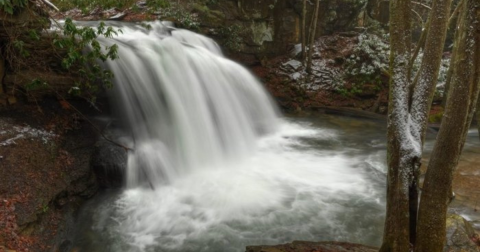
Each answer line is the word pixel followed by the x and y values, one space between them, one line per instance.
pixel 317 178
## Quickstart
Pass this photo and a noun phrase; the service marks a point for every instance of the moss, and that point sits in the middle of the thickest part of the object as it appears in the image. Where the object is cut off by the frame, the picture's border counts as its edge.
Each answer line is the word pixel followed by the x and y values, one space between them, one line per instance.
pixel 435 117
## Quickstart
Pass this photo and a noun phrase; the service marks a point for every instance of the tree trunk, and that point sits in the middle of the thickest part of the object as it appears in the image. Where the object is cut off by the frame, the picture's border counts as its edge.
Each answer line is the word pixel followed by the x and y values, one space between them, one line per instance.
pixel 304 30
pixel 478 117
pixel 396 233
pixel 2 73
pixel 313 31
pixel 461 104
pixel 448 78
pixel 425 82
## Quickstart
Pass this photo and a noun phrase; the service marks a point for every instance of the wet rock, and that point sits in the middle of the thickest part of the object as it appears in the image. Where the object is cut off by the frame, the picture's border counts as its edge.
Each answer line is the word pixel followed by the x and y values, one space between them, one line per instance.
pixel 109 162
pixel 461 237
pixel 65 246
pixel 304 246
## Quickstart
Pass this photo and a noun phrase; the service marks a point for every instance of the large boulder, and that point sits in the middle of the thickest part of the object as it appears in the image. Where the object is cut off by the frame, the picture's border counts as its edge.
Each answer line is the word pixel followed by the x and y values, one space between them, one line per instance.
pixel 109 162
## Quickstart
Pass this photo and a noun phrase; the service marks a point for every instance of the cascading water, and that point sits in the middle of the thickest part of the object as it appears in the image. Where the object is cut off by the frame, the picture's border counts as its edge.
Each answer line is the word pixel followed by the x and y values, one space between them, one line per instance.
pixel 226 171
pixel 186 106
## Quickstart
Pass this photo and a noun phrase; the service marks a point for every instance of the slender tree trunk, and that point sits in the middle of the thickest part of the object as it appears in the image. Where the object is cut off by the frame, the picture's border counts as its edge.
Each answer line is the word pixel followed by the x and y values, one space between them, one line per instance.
pixel 396 233
pixel 304 30
pixel 420 46
pixel 2 73
pixel 461 104
pixel 424 87
pixel 448 78
pixel 425 82
pixel 313 31
pixel 478 117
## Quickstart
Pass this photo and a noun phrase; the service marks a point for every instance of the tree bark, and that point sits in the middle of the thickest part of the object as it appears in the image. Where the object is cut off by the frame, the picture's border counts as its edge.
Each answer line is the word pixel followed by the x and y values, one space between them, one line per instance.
pixel 425 82
pixel 478 117
pixel 304 30
pixel 459 20
pixel 313 31
pixel 2 73
pixel 459 111
pixel 396 233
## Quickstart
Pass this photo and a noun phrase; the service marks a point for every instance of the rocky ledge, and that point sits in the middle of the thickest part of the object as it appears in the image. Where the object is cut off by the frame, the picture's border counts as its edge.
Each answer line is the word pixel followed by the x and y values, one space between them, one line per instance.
pixel 45 175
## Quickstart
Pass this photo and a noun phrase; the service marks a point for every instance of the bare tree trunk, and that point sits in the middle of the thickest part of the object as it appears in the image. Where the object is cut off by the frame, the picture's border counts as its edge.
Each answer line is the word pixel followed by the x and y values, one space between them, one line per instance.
pixel 478 117
pixel 420 46
pixel 423 87
pixel 2 73
pixel 461 104
pixel 426 79
pixel 304 30
pixel 313 31
pixel 448 78
pixel 396 233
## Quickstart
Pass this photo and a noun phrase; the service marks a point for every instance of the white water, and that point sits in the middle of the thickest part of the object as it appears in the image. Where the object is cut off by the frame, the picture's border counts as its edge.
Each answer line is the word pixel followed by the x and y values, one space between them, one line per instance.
pixel 226 171
pixel 186 105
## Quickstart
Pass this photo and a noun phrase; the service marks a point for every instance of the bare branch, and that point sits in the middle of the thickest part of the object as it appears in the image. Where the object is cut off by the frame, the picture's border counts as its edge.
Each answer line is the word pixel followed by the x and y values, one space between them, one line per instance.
pixel 51 5
pixel 419 17
pixel 455 13
pixel 422 5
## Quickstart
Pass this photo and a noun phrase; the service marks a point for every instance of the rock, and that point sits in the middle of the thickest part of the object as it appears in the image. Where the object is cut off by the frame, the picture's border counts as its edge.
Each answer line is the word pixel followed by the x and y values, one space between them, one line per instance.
pixel 41 189
pixel 305 246
pixel 461 237
pixel 109 162
pixel 296 76
pixel 295 64
pixel 11 100
pixel 118 16
pixel 142 4
pixel 269 28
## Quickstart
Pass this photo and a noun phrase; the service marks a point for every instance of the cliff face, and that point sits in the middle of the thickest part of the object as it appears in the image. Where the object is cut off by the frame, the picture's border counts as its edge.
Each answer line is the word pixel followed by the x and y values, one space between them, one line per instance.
pixel 258 29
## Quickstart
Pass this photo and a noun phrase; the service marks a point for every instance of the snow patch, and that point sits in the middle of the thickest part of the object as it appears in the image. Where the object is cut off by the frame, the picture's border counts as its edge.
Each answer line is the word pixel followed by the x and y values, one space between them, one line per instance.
pixel 26 132
pixel 295 64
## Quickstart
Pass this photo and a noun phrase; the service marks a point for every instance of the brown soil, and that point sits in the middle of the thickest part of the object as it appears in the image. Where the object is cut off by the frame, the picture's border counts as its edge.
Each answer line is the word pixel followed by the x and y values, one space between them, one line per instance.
pixel 43 179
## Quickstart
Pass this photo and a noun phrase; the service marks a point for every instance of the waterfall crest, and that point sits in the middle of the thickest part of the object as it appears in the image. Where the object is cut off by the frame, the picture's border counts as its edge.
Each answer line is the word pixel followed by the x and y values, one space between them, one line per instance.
pixel 187 106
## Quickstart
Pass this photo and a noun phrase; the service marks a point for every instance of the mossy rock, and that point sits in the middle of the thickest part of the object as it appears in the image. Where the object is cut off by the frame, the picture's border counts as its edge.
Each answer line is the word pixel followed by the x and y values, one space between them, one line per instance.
pixel 461 236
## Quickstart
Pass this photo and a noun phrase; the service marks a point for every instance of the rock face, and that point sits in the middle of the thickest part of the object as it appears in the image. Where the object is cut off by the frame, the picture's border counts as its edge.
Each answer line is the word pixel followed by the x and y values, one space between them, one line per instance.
pixel 109 162
pixel 44 175
pixel 254 29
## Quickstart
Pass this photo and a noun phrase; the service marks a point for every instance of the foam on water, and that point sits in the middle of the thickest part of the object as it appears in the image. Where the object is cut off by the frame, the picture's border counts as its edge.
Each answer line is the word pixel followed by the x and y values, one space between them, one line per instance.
pixel 286 190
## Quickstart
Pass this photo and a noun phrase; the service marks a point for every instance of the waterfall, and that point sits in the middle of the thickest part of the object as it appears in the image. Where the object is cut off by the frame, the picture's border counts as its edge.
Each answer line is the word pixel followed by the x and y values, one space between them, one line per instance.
pixel 186 105
pixel 226 171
